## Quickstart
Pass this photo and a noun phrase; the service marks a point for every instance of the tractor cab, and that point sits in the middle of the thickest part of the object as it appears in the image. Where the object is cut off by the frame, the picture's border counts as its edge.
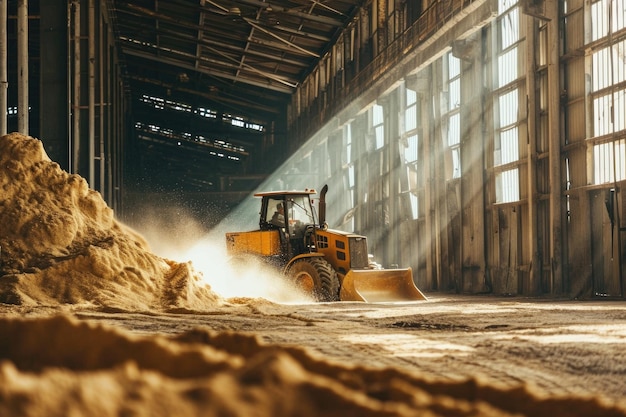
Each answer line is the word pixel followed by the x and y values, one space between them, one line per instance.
pixel 291 213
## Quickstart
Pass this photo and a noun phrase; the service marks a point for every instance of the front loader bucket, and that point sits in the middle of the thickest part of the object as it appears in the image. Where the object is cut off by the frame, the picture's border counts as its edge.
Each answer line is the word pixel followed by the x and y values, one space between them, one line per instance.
pixel 380 285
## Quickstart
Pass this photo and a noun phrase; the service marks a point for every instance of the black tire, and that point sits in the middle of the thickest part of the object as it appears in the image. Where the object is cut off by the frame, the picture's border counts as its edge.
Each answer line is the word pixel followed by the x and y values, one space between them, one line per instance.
pixel 317 277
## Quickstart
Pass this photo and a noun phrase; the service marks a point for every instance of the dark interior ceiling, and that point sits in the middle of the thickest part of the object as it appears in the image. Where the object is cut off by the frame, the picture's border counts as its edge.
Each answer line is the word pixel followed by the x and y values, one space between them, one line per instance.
pixel 245 55
pixel 242 59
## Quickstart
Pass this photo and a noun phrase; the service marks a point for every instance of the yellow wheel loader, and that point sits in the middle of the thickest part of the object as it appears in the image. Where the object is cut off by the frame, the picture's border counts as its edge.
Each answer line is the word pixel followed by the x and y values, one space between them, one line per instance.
pixel 328 264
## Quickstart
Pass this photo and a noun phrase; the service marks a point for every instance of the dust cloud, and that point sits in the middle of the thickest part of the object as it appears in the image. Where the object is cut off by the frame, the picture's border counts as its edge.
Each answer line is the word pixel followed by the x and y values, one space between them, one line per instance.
pixel 174 233
pixel 233 278
pixel 67 261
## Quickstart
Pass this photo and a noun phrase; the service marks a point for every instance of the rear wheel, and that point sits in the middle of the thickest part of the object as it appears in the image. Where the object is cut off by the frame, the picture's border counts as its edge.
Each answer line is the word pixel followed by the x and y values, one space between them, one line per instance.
pixel 316 277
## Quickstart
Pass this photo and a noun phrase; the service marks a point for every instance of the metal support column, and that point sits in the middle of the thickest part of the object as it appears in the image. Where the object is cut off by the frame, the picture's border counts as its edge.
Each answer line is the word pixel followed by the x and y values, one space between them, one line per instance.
pixel 22 66
pixel 4 82
pixel 54 114
pixel 554 138
pixel 532 235
pixel 92 94
pixel 102 57
pixel 75 163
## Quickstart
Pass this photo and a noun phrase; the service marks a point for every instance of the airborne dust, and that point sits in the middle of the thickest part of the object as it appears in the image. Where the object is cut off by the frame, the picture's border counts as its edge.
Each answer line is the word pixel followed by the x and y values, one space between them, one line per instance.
pixel 175 234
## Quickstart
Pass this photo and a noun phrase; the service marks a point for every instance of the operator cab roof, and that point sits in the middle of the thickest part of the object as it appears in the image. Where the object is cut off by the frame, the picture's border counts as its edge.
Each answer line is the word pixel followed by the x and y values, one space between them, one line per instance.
pixel 281 193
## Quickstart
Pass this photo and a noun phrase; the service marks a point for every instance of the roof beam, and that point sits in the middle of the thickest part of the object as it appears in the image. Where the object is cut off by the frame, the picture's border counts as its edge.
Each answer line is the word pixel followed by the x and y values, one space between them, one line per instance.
pixel 294 48
pixel 285 41
pixel 292 31
pixel 137 44
pixel 200 35
pixel 208 42
pixel 143 12
pixel 281 87
pixel 312 17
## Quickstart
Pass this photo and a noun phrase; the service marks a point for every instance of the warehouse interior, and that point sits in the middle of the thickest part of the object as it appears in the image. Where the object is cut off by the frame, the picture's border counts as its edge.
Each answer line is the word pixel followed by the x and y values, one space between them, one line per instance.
pixel 479 145
pixel 480 142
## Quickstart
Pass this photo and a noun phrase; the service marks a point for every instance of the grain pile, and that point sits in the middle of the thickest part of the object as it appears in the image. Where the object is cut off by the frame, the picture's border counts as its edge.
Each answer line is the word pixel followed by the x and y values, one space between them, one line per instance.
pixel 59 366
pixel 61 243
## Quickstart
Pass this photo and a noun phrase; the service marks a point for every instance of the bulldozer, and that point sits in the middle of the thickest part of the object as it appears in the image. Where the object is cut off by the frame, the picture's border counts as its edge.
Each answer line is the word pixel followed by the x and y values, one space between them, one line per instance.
pixel 329 265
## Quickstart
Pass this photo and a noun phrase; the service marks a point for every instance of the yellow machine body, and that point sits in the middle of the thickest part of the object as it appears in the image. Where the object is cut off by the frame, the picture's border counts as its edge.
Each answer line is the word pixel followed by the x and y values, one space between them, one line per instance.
pixel 347 253
pixel 344 251
pixel 258 242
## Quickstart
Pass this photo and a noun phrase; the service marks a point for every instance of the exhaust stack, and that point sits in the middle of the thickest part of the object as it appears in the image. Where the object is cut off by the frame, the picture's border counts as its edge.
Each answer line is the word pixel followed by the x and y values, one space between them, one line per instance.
pixel 323 205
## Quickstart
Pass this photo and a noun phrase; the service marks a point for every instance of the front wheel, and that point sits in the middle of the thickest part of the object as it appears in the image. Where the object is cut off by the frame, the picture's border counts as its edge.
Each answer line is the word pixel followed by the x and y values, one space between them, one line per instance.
pixel 316 277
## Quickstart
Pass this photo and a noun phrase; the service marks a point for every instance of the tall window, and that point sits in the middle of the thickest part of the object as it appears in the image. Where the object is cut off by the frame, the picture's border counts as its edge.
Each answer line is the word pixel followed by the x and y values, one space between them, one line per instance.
pixel 378 125
pixel 411 149
pixel 452 117
pixel 348 165
pixel 608 89
pixel 506 109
